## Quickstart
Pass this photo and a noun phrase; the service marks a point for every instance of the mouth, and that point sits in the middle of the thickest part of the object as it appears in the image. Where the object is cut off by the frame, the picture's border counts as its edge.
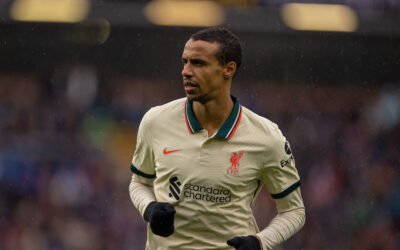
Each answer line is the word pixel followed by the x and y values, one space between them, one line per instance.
pixel 190 86
pixel 190 83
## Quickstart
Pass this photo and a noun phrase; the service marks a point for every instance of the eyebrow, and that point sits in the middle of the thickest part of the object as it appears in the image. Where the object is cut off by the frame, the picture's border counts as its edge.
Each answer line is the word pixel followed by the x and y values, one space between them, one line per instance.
pixel 197 60
pixel 194 60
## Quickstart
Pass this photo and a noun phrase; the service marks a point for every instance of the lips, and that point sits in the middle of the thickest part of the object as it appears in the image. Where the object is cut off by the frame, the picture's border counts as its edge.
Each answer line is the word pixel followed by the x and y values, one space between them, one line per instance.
pixel 190 86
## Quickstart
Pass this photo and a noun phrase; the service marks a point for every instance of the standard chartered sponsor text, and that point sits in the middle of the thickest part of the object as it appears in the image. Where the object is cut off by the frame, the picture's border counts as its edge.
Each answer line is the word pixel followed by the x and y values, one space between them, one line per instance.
pixel 210 194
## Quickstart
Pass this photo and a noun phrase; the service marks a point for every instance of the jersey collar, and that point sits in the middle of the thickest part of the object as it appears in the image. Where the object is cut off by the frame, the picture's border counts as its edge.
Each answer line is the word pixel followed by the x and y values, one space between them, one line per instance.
pixel 228 128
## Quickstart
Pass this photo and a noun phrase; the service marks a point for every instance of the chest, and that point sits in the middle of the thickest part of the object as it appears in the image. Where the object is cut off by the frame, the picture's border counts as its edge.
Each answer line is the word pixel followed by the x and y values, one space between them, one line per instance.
pixel 199 161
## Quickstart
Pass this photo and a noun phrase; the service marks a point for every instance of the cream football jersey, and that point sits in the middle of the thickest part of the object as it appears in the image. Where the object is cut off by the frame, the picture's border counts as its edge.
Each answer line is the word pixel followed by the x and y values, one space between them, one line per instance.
pixel 211 181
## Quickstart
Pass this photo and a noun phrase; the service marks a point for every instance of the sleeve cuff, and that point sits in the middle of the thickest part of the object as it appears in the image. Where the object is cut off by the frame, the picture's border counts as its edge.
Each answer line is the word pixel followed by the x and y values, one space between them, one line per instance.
pixel 286 191
pixel 140 173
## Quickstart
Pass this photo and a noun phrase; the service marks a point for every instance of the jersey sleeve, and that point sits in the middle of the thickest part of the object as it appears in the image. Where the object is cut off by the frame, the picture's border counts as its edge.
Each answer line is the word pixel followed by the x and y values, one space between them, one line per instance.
pixel 279 172
pixel 143 165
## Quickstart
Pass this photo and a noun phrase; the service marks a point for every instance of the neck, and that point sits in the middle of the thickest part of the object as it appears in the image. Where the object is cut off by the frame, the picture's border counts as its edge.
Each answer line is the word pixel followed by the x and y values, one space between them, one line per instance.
pixel 212 114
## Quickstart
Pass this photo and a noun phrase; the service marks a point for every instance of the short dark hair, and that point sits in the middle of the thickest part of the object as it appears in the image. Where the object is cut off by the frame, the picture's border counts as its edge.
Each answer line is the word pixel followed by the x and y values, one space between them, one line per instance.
pixel 230 47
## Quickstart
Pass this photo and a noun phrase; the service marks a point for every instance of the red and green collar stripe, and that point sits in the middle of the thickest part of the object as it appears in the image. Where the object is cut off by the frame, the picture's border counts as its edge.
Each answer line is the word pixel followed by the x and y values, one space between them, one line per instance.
pixel 191 122
pixel 228 128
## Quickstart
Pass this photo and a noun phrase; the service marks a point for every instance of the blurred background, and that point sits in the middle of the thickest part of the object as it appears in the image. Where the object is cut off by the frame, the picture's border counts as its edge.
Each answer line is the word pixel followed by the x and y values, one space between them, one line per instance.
pixel 76 77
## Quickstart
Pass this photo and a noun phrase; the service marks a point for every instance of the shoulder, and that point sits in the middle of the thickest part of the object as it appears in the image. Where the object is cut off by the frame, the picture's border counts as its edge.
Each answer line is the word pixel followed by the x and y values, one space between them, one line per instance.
pixel 163 114
pixel 276 149
pixel 265 133
pixel 166 110
pixel 262 124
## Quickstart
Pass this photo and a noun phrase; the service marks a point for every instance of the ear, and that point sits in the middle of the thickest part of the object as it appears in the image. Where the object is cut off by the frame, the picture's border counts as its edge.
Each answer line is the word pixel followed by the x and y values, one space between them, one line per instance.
pixel 229 70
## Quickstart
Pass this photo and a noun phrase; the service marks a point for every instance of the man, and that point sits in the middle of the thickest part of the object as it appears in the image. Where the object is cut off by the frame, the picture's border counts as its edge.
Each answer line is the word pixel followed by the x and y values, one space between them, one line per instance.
pixel 200 161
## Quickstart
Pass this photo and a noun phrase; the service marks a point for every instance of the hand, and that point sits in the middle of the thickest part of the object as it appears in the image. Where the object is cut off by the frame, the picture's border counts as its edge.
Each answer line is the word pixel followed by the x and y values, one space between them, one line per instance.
pixel 160 215
pixel 245 243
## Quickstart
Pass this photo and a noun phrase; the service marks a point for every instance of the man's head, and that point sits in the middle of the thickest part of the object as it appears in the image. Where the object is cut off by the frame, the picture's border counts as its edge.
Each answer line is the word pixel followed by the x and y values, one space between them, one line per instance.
pixel 230 48
pixel 210 60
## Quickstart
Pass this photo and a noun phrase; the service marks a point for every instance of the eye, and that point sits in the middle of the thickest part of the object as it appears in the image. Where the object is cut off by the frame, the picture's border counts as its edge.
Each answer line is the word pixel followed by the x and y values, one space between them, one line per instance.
pixel 198 62
pixel 184 61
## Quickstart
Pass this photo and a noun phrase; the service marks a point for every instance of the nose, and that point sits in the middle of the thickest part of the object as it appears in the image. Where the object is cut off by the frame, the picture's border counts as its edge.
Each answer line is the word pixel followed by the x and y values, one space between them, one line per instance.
pixel 187 71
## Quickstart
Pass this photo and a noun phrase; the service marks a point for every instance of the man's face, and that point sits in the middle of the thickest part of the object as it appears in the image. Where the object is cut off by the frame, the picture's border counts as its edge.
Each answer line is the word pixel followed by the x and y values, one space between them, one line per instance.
pixel 202 73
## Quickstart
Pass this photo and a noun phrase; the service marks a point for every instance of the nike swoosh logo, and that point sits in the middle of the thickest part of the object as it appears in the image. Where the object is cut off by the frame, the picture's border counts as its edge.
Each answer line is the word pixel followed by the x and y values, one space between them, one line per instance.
pixel 171 151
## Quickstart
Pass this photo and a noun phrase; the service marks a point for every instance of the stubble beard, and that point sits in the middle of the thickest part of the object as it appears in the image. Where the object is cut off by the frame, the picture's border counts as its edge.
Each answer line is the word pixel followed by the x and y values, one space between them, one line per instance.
pixel 197 98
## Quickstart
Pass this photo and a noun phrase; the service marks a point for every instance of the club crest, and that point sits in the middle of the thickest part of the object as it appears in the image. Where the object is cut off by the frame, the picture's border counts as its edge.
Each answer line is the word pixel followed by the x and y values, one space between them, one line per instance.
pixel 233 169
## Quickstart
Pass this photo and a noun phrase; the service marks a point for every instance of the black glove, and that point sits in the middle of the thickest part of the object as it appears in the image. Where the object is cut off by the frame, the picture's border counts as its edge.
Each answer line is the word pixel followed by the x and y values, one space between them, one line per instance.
pixel 160 215
pixel 245 243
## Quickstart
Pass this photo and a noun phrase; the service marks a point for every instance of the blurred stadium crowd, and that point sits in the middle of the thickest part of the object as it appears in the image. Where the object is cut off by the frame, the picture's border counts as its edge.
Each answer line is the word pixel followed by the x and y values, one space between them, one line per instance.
pixel 66 143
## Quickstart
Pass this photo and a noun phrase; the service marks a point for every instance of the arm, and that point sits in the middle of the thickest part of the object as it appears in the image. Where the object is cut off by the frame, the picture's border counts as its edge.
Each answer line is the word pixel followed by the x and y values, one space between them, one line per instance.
pixel 279 174
pixel 160 215
pixel 143 167
pixel 283 182
pixel 141 195
pixel 290 219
